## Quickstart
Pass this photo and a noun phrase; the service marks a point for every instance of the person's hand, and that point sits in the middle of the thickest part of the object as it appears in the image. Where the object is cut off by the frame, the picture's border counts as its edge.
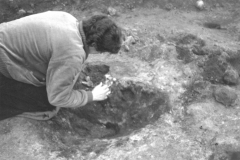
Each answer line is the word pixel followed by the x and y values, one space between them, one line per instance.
pixel 100 92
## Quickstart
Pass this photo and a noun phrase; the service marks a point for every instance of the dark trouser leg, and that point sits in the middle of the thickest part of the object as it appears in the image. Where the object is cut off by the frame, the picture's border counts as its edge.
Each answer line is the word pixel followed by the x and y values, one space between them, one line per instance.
pixel 17 98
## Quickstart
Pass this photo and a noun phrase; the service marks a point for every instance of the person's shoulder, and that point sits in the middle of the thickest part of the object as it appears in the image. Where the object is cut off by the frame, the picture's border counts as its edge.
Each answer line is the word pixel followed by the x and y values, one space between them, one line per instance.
pixel 59 13
pixel 53 17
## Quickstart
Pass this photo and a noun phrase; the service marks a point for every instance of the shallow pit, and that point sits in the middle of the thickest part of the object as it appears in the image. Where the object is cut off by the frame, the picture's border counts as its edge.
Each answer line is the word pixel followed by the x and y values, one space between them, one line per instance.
pixel 130 107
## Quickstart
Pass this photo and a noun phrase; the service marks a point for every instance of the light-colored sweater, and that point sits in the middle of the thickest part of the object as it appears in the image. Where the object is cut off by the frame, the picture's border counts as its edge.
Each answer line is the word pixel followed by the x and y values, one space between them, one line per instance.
pixel 45 49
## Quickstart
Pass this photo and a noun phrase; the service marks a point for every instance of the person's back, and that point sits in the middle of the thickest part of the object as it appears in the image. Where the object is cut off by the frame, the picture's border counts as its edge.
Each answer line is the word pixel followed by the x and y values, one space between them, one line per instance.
pixel 28 44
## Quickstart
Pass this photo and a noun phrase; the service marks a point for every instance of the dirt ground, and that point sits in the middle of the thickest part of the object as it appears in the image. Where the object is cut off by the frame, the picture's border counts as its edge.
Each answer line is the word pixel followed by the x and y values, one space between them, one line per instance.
pixel 168 47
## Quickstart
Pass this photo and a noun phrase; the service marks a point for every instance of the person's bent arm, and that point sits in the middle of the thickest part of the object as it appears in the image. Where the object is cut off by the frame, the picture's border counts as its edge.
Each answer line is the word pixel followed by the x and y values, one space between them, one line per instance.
pixel 60 82
pixel 61 77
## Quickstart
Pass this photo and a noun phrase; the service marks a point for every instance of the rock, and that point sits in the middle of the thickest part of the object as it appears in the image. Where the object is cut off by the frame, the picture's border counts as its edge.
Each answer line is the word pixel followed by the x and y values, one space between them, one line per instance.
pixel 189 47
pixel 184 54
pixel 30 11
pixel 225 95
pixel 201 86
pixel 191 39
pixel 212 25
pixel 112 11
pixel 200 51
pixel 22 12
pixel 231 76
pixel 234 60
pixel 129 40
pixel 199 5
pixel 214 69
pixel 125 48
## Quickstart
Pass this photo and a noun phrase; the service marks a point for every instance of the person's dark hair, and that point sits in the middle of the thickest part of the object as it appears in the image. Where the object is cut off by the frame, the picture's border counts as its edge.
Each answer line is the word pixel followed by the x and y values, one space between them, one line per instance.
pixel 102 32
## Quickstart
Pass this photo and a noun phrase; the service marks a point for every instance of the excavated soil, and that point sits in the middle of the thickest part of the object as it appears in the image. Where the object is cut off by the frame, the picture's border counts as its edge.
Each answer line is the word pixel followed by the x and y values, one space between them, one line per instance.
pixel 176 94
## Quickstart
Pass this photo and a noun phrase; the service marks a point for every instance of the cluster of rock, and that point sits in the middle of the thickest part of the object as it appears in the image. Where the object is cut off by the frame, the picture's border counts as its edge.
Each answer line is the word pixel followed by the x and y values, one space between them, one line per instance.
pixel 220 72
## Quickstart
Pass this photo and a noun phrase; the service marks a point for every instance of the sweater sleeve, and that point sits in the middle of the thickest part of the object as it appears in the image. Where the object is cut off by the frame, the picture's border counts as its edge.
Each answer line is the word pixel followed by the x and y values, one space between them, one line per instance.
pixel 61 77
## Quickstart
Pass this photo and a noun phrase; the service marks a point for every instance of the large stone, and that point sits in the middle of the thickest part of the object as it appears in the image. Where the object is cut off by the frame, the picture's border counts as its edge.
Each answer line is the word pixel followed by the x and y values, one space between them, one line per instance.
pixel 231 76
pixel 190 39
pixel 214 69
pixel 184 54
pixel 189 47
pixel 234 60
pixel 226 96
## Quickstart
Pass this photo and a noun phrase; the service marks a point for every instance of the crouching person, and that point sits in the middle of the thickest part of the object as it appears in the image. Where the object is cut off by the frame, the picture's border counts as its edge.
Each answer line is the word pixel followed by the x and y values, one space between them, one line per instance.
pixel 41 57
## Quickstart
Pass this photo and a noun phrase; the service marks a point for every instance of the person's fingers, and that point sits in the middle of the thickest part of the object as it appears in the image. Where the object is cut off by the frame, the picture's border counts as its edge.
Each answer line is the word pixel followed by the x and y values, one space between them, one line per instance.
pixel 105 89
pixel 104 86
